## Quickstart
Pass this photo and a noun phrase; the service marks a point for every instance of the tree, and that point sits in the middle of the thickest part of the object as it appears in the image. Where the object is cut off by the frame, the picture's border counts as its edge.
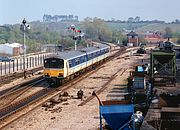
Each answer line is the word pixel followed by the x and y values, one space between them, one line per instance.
pixel 168 33
pixel 2 41
pixel 118 36
pixel 130 19
pixel 178 40
pixel 137 19
pixel 97 29
pixel 124 41
pixel 177 21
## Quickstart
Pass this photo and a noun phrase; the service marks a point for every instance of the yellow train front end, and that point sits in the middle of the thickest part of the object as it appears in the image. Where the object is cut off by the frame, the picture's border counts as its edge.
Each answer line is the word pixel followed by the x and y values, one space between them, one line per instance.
pixel 54 70
pixel 58 73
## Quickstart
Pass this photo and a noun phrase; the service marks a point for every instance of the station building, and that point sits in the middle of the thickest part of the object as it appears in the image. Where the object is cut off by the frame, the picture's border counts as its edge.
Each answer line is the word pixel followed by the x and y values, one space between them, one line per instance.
pixel 11 49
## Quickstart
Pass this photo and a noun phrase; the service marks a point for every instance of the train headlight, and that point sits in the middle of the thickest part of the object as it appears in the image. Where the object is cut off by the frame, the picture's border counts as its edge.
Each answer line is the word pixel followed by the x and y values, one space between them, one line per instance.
pixel 60 75
pixel 47 74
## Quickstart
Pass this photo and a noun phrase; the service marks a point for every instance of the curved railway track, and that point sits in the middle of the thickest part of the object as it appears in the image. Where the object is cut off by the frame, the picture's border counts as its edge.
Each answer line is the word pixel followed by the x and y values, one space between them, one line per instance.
pixel 45 94
pixel 17 91
pixel 19 86
pixel 36 98
pixel 17 106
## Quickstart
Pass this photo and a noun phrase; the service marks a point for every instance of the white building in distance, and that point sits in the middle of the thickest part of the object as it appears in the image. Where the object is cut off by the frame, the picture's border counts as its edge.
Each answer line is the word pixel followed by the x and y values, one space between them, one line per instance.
pixel 13 49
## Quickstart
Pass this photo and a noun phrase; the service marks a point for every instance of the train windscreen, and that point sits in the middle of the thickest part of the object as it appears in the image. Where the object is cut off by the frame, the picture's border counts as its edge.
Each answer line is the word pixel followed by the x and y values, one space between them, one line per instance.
pixel 54 63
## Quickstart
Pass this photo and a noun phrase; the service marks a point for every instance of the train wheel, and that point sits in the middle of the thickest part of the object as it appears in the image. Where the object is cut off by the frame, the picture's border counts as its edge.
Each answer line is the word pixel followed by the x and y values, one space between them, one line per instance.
pixel 72 77
pixel 59 82
pixel 68 78
pixel 76 74
pixel 49 81
pixel 82 71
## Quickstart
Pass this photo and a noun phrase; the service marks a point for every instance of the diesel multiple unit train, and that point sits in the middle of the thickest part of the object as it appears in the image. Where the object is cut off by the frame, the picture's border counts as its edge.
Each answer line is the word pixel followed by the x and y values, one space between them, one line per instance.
pixel 67 64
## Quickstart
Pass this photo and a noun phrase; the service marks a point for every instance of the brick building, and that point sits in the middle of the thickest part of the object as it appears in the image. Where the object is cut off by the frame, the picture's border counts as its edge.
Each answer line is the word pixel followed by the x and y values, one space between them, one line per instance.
pixel 133 38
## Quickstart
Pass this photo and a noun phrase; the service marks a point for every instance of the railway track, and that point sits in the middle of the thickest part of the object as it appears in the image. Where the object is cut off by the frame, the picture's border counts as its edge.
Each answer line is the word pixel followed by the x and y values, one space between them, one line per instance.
pixel 17 91
pixel 104 86
pixel 36 99
pixel 9 77
pixel 19 86
pixel 17 106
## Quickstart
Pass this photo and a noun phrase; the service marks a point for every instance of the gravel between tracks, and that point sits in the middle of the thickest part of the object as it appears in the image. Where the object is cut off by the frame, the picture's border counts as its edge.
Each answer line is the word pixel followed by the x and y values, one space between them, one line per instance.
pixel 71 116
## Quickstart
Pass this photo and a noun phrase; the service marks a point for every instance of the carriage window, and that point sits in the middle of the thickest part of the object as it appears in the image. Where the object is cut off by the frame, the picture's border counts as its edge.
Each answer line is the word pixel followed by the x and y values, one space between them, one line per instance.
pixel 100 52
pixel 77 61
pixel 105 51
pixel 89 56
pixel 94 54
pixel 85 58
pixel 97 53
pixel 70 64
pixel 82 59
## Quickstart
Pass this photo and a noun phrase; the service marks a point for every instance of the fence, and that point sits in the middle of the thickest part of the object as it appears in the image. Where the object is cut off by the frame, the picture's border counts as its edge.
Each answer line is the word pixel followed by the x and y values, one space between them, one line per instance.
pixel 18 64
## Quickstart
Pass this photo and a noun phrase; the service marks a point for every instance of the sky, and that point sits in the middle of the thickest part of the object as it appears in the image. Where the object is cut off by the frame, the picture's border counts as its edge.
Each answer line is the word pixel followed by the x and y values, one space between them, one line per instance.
pixel 13 11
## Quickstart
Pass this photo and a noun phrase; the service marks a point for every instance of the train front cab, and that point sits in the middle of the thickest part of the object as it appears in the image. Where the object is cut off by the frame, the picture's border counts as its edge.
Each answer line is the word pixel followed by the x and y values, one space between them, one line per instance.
pixel 54 70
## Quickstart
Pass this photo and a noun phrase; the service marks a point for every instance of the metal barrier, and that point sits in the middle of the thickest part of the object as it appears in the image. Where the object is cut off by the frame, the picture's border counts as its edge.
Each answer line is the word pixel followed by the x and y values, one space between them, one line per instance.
pixel 18 65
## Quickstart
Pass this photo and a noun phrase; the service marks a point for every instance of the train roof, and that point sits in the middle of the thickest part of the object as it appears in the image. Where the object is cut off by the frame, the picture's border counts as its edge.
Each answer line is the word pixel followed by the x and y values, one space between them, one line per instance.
pixel 66 55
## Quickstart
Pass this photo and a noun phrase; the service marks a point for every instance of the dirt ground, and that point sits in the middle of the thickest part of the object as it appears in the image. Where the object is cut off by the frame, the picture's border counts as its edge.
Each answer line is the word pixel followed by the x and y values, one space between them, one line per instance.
pixel 68 115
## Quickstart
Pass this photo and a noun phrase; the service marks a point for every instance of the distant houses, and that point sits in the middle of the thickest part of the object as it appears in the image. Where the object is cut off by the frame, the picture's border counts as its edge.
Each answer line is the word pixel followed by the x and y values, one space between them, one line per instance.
pixel 134 39
pixel 11 49
pixel 60 18
pixel 153 37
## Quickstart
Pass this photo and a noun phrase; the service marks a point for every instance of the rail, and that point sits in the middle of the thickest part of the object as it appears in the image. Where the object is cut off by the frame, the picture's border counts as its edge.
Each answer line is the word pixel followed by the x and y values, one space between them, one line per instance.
pixel 44 95
pixel 103 87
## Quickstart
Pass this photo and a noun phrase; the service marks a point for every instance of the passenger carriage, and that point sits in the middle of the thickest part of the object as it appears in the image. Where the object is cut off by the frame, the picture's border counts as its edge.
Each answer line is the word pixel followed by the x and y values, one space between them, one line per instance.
pixel 65 65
